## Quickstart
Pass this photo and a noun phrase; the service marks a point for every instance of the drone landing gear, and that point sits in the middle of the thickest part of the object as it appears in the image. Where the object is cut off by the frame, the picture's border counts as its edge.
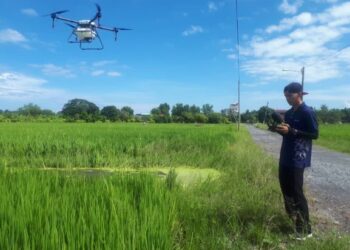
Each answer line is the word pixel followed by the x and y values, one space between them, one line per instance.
pixel 82 43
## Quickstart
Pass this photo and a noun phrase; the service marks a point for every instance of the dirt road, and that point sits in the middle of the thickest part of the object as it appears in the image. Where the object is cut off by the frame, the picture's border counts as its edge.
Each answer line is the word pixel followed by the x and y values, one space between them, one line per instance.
pixel 327 181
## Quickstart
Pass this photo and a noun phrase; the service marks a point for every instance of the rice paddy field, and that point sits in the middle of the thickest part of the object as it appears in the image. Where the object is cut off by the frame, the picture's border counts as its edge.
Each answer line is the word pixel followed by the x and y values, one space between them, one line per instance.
pixel 335 136
pixel 135 186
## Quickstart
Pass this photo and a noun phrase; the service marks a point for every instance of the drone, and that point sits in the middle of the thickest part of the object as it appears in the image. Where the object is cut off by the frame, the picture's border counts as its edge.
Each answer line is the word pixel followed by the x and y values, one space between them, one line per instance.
pixel 85 31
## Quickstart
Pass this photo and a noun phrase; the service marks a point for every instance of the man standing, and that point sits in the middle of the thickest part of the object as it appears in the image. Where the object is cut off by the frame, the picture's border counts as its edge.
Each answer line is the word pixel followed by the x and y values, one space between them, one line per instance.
pixel 298 130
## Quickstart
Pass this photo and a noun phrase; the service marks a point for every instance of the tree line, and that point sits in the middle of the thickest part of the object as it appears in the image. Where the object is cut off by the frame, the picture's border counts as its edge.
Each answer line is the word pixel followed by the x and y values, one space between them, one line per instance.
pixel 76 110
pixel 324 115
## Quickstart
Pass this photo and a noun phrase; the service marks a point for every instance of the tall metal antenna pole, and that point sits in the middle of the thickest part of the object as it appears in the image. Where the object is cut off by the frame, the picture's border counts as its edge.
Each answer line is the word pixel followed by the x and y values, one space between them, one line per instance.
pixel 238 69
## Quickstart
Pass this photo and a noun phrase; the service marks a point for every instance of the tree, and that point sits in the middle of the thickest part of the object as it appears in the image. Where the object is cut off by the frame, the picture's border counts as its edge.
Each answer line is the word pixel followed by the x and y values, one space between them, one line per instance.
pixel 200 118
pixel 263 113
pixel 214 118
pixel 207 109
pixel 47 112
pixel 195 110
pixel 346 115
pixel 80 109
pixel 177 111
pixel 322 113
pixel 161 114
pixel 111 113
pixel 127 113
pixel 164 109
pixel 249 117
pixel 30 110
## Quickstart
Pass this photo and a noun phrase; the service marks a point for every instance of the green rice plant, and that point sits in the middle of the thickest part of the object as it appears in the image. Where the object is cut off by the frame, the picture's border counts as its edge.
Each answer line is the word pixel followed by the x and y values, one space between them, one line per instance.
pixel 69 208
pixel 335 136
pixel 46 210
pixel 61 145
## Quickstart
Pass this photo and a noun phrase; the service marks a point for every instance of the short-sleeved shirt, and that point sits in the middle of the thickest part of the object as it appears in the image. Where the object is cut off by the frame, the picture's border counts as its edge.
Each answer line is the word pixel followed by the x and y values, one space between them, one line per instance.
pixel 296 149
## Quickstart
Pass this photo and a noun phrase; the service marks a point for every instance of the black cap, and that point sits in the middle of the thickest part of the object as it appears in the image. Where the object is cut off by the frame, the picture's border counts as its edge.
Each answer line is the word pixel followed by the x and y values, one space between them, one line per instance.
pixel 294 87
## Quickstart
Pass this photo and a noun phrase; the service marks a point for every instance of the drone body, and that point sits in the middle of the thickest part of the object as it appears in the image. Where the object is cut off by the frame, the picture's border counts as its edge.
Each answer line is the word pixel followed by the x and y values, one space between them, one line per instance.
pixel 85 31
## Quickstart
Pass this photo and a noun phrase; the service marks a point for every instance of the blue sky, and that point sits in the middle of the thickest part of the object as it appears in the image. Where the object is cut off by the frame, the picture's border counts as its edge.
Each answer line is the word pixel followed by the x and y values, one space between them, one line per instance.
pixel 179 52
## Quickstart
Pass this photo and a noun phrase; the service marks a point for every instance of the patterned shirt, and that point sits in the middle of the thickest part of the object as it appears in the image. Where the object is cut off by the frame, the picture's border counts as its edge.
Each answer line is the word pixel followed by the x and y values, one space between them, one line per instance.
pixel 297 144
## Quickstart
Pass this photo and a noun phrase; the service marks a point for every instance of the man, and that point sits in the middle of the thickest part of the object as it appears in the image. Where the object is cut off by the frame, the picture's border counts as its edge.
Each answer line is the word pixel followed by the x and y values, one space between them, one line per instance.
pixel 298 130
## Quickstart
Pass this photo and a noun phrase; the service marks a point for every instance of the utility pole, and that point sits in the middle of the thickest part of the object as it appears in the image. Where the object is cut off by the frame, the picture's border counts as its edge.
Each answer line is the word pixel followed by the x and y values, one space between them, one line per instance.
pixel 267 107
pixel 238 69
pixel 302 76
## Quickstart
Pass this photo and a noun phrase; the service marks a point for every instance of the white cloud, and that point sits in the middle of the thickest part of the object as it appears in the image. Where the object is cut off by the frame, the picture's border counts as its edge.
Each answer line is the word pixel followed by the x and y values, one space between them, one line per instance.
pixel 212 7
pixel 16 86
pixel 335 16
pixel 103 63
pixel 230 50
pixel 193 30
pixel 225 41
pixel 310 42
pixel 333 93
pixel 325 1
pixel 290 8
pixel 106 73
pixel 231 56
pixel 29 12
pixel 11 36
pixel 97 72
pixel 303 19
pixel 54 70
pixel 114 74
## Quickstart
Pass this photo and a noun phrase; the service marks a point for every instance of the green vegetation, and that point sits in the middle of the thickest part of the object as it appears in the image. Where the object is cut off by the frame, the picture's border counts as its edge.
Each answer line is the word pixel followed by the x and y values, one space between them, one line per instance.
pixel 80 110
pixel 240 208
pixel 335 137
pixel 46 210
pixel 63 145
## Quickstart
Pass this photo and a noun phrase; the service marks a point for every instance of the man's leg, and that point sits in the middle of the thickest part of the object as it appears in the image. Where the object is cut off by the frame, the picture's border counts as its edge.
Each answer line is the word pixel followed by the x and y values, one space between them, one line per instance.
pixel 287 182
pixel 302 219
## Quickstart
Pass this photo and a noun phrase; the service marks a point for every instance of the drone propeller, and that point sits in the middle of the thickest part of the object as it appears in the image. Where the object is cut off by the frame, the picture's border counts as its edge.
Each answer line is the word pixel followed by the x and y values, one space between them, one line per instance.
pixel 54 15
pixel 98 15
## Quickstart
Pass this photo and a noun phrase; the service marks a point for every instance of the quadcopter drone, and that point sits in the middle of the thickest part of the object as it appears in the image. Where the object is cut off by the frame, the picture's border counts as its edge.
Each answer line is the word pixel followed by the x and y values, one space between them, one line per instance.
pixel 85 31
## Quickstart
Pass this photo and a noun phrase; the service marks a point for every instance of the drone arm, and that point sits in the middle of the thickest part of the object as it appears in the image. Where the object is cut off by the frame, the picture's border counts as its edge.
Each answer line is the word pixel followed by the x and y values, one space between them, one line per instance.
pixel 66 19
pixel 108 29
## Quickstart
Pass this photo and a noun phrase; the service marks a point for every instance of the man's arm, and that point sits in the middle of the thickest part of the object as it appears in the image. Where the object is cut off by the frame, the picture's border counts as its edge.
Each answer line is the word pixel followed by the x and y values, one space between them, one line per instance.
pixel 312 127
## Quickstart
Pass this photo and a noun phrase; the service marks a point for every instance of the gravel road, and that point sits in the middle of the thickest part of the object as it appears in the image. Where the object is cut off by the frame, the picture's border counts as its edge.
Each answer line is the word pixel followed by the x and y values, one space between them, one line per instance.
pixel 327 181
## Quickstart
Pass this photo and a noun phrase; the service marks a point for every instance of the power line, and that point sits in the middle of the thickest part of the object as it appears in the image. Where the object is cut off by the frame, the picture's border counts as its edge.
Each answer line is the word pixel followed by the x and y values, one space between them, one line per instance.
pixel 337 53
pixel 238 68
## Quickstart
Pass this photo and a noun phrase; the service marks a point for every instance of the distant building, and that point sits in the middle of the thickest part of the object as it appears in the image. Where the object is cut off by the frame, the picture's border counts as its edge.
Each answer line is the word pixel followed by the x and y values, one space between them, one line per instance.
pixel 232 110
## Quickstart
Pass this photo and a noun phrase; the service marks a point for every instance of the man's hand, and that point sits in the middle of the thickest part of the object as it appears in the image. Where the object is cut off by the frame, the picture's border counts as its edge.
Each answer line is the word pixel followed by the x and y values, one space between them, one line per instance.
pixel 283 128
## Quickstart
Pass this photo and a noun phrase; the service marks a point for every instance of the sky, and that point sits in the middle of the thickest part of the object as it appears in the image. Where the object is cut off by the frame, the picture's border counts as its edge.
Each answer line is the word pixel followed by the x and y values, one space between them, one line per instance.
pixel 178 52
